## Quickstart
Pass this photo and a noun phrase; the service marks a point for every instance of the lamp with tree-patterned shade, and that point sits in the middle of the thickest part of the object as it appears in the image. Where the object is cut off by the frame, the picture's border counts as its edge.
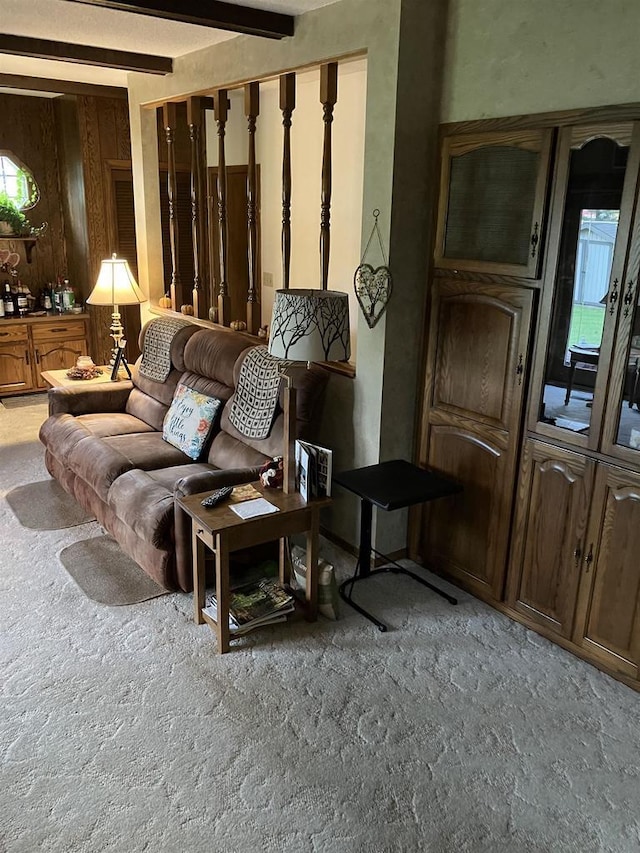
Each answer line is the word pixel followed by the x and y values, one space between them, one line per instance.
pixel 116 286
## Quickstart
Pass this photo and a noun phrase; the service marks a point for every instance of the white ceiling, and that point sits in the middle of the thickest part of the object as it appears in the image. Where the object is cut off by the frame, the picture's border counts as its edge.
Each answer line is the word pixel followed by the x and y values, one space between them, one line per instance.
pixel 76 23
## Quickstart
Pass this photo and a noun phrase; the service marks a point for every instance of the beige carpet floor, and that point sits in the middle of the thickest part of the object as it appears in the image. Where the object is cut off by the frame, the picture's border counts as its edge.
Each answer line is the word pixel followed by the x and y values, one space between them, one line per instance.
pixel 459 730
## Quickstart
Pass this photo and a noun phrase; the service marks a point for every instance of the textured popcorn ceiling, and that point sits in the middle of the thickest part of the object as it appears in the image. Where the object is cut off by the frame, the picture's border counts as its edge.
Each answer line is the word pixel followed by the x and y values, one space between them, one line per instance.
pixel 77 23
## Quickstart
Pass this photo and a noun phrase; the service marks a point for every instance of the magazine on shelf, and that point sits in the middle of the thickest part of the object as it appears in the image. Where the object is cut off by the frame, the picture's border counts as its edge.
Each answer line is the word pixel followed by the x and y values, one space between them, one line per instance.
pixel 211 610
pixel 313 470
pixel 253 605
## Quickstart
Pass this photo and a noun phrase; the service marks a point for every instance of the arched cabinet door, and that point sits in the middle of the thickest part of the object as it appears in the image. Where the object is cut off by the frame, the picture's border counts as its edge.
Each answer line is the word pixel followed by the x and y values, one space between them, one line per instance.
pixel 608 614
pixel 491 208
pixel 472 405
pixel 465 537
pixel 478 342
pixel 552 504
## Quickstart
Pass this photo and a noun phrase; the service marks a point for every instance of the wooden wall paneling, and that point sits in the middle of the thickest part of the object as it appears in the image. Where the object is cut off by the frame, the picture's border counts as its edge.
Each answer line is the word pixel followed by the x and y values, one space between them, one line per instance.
pixel 195 120
pixel 287 106
pixel 252 111
pixel 104 137
pixel 121 228
pixel 100 317
pixel 328 99
pixel 221 107
pixel 73 194
pixel 28 130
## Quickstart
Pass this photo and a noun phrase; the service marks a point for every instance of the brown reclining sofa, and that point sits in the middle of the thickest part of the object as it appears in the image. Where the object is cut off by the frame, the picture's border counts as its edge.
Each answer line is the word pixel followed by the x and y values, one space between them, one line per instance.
pixel 104 444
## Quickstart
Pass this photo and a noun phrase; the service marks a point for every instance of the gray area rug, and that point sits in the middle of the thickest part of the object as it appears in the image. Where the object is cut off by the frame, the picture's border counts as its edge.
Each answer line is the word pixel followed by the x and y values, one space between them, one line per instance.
pixel 46 506
pixel 105 574
pixel 458 731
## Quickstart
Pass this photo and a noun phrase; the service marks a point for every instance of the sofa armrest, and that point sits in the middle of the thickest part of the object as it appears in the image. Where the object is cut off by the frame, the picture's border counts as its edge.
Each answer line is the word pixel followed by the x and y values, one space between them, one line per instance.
pixel 90 400
pixel 216 478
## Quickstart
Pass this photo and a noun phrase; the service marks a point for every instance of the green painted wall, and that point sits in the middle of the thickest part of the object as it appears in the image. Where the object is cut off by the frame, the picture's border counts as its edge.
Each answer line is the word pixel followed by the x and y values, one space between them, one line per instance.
pixel 511 57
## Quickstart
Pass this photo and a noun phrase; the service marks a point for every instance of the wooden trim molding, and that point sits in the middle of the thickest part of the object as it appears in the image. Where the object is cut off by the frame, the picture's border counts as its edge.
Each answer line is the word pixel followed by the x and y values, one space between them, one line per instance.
pixel 85 55
pixel 61 87
pixel 220 15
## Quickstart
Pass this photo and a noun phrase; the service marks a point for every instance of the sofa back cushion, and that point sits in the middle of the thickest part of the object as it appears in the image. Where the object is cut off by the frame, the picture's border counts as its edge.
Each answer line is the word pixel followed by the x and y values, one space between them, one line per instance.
pixel 230 448
pixel 210 357
pixel 149 400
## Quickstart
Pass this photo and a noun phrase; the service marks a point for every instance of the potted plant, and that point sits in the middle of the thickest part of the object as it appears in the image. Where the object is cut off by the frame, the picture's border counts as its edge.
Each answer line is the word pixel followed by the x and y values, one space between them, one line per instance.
pixel 13 222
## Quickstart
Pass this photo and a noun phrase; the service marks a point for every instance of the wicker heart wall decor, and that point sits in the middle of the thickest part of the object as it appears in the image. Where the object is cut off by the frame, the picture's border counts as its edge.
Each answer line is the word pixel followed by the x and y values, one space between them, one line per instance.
pixel 373 286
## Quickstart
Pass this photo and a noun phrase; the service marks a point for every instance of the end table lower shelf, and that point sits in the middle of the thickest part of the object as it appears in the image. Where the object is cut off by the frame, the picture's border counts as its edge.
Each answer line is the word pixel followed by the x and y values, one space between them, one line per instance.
pixel 222 531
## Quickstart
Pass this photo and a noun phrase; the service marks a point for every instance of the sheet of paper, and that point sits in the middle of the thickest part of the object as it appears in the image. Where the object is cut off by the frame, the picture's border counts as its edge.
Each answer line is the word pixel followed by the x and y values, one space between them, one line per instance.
pixel 249 509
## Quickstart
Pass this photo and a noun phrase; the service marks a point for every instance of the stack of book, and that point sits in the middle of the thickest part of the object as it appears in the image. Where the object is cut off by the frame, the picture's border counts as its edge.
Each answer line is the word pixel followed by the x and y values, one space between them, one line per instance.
pixel 254 605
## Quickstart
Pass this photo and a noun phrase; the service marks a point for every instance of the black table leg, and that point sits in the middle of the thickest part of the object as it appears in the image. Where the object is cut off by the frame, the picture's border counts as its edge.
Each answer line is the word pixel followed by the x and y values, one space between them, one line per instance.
pixel 363 568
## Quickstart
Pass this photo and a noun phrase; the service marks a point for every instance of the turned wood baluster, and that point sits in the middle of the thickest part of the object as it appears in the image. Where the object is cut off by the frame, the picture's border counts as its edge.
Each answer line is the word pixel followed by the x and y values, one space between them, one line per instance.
pixel 195 108
pixel 221 107
pixel 328 98
pixel 287 105
pixel 251 111
pixel 169 119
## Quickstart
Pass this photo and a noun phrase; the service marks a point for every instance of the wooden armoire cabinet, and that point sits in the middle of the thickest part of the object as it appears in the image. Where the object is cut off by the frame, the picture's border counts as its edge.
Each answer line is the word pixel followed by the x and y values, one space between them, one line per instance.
pixel 531 397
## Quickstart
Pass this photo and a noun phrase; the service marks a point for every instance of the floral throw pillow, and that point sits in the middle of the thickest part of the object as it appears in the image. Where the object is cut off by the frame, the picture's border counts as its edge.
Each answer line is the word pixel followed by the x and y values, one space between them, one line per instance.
pixel 188 422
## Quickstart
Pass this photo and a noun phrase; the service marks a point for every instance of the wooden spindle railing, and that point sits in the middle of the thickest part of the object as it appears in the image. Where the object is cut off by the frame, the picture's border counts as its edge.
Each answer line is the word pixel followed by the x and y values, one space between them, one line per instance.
pixel 328 99
pixel 170 122
pixel 221 107
pixel 251 111
pixel 287 106
pixel 195 122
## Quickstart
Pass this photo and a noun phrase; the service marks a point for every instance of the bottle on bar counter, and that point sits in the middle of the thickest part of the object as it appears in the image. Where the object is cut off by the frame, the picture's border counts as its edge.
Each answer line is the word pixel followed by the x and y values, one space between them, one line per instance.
pixel 7 298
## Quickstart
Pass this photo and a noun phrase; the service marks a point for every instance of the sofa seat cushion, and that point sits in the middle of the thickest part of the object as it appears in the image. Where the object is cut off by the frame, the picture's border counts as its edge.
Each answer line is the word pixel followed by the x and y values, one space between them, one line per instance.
pixel 143 500
pixel 147 450
pixel 119 423
pixel 100 461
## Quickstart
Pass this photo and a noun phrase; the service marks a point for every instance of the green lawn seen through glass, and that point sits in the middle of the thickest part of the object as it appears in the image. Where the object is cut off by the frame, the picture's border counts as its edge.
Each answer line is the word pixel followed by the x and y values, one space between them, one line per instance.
pixel 586 325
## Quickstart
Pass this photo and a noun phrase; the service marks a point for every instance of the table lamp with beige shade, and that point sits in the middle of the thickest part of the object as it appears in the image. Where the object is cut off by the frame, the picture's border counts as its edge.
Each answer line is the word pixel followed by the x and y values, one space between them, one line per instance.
pixel 116 286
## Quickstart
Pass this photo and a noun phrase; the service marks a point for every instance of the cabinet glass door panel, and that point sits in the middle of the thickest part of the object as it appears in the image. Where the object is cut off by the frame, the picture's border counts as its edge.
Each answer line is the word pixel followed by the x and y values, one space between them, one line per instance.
pixel 491 209
pixel 628 400
pixel 586 285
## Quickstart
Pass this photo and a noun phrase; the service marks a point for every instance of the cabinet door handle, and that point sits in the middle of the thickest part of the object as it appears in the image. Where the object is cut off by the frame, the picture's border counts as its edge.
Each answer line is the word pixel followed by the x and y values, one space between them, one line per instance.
pixel 520 369
pixel 535 237
pixel 63 329
pixel 628 299
pixel 37 357
pixel 577 554
pixel 589 559
pixel 26 357
pixel 612 298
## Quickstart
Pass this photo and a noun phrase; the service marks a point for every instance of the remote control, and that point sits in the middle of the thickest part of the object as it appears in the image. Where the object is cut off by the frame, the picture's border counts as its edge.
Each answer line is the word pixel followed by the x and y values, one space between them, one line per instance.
pixel 217 496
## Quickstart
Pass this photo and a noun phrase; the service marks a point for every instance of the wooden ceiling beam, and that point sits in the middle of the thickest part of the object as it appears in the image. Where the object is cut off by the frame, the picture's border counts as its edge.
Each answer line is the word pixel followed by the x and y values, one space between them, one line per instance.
pixel 216 14
pixel 85 55
pixel 60 87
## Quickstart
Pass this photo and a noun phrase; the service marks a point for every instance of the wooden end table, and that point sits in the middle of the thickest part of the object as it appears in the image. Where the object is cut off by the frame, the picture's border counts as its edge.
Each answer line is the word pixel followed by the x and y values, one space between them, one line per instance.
pixel 59 378
pixel 221 530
